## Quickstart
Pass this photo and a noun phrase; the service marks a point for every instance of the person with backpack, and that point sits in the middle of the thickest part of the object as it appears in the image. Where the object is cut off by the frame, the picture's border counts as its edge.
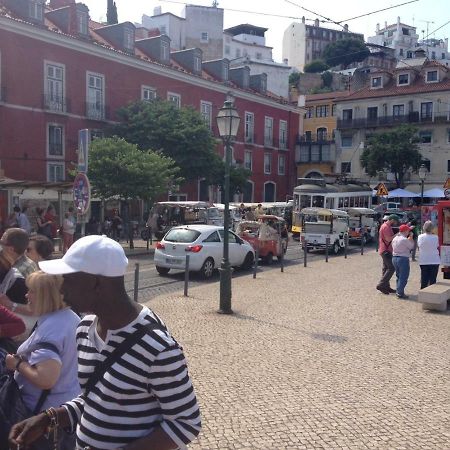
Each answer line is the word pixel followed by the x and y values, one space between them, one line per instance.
pixel 133 374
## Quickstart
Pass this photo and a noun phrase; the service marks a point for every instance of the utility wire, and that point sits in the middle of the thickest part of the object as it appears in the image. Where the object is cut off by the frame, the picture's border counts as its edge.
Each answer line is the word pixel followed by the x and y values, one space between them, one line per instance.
pixel 437 29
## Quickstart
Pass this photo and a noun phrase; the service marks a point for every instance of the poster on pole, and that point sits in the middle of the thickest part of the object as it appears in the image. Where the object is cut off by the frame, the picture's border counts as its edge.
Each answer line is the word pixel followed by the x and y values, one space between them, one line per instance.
pixel 84 138
pixel 81 193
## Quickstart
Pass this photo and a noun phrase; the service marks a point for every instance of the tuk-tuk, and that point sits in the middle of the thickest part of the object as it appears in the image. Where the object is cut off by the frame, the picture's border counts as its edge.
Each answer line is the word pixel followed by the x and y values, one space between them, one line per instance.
pixel 318 224
pixel 171 214
pixel 362 224
pixel 268 236
pixel 235 215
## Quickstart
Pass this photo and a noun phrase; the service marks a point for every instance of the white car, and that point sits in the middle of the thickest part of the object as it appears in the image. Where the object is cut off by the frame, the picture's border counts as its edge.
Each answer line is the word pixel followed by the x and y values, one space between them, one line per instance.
pixel 204 245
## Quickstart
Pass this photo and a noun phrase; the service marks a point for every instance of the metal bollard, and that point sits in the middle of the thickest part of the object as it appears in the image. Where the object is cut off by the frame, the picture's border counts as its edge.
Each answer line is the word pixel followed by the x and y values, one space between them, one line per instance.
pixel 282 259
pixel 305 252
pixel 362 244
pixel 136 282
pixel 255 263
pixel 345 246
pixel 327 246
pixel 186 277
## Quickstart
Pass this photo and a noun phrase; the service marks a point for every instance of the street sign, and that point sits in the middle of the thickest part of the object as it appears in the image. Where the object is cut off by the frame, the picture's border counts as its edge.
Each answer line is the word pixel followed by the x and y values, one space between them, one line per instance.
pixel 382 190
pixel 81 193
pixel 447 184
pixel 447 193
pixel 84 138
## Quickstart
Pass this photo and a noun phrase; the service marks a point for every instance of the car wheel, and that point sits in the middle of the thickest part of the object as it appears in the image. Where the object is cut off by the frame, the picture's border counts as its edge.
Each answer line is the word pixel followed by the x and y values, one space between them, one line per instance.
pixel 248 261
pixel 207 269
pixel 336 247
pixel 145 234
pixel 365 239
pixel 162 270
pixel 268 259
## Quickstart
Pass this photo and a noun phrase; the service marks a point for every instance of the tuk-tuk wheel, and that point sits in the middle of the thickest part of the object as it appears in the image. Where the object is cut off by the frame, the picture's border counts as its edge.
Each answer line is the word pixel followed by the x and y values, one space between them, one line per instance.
pixel 162 270
pixel 336 247
pixel 248 261
pixel 268 259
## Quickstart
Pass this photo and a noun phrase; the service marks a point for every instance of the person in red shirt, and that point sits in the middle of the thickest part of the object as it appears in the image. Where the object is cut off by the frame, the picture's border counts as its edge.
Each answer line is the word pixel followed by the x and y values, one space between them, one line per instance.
pixel 385 237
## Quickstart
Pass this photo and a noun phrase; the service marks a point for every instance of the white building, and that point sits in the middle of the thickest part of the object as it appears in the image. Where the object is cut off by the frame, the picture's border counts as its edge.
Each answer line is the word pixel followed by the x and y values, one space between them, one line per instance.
pixel 304 43
pixel 168 24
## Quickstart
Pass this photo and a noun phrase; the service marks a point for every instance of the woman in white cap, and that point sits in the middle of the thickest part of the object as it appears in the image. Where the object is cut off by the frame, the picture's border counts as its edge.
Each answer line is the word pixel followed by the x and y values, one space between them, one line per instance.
pixel 429 258
pixel 402 244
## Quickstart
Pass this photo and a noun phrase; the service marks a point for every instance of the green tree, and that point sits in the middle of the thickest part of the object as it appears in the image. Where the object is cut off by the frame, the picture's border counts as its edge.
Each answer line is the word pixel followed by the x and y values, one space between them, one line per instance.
pixel 316 66
pixel 294 78
pixel 394 151
pixel 119 169
pixel 345 51
pixel 111 13
pixel 178 133
pixel 327 79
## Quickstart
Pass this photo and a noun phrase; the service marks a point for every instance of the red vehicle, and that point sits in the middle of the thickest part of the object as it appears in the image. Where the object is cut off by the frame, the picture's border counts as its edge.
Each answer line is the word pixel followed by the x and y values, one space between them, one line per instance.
pixel 268 236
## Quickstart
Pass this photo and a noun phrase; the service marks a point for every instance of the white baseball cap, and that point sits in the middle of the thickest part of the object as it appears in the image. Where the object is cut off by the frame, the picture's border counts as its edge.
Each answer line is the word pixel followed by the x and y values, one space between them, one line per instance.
pixel 97 255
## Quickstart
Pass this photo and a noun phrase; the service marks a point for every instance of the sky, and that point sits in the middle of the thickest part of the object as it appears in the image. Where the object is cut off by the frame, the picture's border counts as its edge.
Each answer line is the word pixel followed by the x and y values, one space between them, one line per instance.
pixel 435 12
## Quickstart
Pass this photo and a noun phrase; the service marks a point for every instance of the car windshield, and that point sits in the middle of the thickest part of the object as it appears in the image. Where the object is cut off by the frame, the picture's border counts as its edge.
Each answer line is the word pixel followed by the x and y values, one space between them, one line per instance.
pixel 181 235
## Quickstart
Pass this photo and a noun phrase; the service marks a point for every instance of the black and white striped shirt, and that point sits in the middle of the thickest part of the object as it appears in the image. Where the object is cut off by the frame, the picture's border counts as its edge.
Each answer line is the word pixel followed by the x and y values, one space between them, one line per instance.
pixel 149 386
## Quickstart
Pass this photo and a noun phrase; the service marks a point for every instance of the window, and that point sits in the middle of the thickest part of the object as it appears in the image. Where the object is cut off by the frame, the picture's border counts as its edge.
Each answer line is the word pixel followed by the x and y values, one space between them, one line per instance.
pixel 403 79
pixel 36 10
pixel 346 141
pixel 426 110
pixel 55 139
pixel 448 165
pixel 322 111
pixel 426 136
pixel 95 96
pixel 225 69
pixel 213 237
pixel 164 51
pixel 401 52
pixel 347 114
pixel 204 37
pixel 148 93
pixel 174 98
pixel 409 54
pixel 346 167
pixel 97 134
pixel 398 111
pixel 268 132
pixel 227 50
pixel 321 134
pixel 376 82
pixel 249 127
pixel 54 87
pixel 197 64
pixel 238 53
pixel 283 134
pixel 433 55
pixel 372 113
pixel 55 172
pixel 281 164
pixel 248 160
pixel 82 22
pixel 206 112
pixel 267 163
pixel 309 112
pixel 432 76
pixel 333 110
pixel 258 55
pixel 128 38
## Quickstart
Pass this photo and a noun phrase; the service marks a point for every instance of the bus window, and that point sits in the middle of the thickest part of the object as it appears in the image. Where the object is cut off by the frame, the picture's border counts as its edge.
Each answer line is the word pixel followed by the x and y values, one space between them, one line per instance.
pixel 318 201
pixel 341 202
pixel 305 201
pixel 296 201
pixel 329 202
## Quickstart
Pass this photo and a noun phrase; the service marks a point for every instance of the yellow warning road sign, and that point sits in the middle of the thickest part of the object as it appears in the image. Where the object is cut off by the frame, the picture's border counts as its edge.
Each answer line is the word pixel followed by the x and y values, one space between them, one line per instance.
pixel 447 184
pixel 382 190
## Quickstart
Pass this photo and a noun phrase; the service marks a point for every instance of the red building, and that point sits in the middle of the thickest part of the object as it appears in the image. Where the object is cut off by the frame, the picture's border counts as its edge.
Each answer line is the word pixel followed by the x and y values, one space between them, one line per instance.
pixel 61 72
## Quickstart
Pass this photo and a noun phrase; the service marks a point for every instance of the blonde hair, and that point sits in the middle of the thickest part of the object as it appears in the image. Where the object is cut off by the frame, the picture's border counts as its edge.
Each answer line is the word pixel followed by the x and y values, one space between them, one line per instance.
pixel 47 290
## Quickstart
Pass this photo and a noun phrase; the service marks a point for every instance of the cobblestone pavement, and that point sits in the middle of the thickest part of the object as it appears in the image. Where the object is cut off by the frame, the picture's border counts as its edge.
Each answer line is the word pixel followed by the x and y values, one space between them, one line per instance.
pixel 316 358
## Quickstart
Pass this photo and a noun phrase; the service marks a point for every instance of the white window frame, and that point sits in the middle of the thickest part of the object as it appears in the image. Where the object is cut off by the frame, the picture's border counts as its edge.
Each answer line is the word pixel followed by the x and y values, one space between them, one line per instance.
pixel 403 84
pixel 95 110
pixel 148 93
pixel 249 130
pixel 55 125
pixel 197 63
pixel 283 134
pixel 268 171
pixel 282 167
pixel 204 37
pixel 432 81
pixel 372 86
pixel 83 22
pixel 398 105
pixel 51 165
pixel 165 51
pixel 206 112
pixel 268 131
pixel 248 162
pixel 54 101
pixel 128 38
pixel 36 9
pixel 174 98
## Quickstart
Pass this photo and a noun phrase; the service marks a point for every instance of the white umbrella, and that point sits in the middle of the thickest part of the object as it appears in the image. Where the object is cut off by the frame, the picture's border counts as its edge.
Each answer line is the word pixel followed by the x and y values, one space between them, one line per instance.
pixel 434 193
pixel 402 193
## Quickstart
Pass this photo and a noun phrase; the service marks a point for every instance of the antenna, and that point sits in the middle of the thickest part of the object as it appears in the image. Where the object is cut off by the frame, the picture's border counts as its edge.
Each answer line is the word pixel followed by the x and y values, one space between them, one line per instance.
pixel 215 3
pixel 428 25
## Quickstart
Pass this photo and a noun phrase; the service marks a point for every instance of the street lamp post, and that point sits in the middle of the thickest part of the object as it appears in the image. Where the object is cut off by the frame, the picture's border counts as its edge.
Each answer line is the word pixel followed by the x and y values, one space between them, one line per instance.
pixel 423 172
pixel 228 123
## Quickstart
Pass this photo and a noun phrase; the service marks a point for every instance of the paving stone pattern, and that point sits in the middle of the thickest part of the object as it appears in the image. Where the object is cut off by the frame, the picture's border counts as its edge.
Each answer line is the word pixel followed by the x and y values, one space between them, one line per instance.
pixel 316 358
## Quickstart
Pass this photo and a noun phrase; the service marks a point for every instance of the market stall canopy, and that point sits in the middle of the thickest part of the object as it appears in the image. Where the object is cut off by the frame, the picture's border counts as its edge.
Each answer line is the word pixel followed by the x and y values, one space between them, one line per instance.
pixel 434 193
pixel 402 193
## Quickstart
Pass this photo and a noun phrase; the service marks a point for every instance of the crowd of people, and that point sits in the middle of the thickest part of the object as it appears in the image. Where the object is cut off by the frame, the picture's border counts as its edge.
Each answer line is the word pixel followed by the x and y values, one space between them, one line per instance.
pixel 94 369
pixel 396 250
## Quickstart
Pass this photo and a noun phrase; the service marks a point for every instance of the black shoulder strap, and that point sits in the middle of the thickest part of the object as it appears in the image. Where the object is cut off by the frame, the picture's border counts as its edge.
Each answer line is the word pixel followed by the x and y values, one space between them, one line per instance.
pixel 118 352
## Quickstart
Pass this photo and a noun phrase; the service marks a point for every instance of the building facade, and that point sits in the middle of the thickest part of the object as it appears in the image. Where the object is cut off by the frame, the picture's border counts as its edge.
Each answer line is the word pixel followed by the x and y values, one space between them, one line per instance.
pixel 79 73
pixel 416 93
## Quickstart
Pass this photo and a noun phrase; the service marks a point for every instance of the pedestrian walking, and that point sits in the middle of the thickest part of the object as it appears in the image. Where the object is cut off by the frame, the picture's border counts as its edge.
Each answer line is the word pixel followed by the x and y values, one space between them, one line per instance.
pixel 402 244
pixel 385 236
pixel 259 211
pixel 22 219
pixel 135 388
pixel 43 226
pixel 68 229
pixel 415 234
pixel 429 258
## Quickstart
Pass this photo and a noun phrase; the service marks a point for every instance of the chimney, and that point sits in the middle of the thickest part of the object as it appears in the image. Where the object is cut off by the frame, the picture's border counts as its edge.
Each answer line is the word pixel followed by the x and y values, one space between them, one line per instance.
pixel 303 19
pixel 346 28
pixel 316 23
pixel 385 24
pixel 157 11
pixel 61 3
pixel 378 28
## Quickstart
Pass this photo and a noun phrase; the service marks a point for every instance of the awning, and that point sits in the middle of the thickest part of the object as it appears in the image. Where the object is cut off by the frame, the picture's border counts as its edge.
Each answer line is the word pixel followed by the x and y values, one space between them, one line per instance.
pixel 417 187
pixel 402 193
pixel 434 193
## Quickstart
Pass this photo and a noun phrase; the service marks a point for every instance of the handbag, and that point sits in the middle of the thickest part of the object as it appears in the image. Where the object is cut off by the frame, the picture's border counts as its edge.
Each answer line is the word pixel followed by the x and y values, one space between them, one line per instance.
pixel 12 407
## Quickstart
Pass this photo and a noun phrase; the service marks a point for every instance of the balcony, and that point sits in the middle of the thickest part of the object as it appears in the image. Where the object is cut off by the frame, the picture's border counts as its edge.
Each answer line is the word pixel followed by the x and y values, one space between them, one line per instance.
pixel 55 103
pixel 96 111
pixel 382 121
pixel 250 139
pixel 321 138
pixel 310 152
